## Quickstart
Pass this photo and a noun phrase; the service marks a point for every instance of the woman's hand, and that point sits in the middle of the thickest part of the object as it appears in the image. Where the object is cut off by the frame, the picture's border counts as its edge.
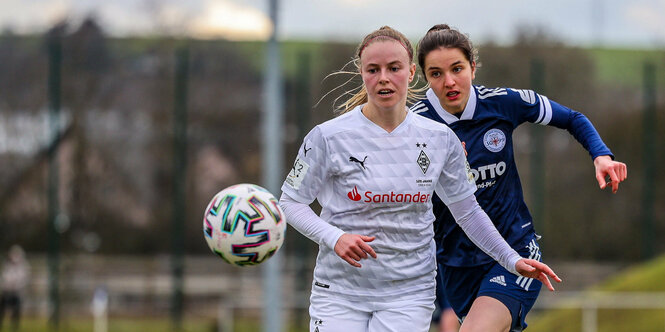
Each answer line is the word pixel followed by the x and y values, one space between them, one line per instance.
pixel 605 166
pixel 353 247
pixel 532 268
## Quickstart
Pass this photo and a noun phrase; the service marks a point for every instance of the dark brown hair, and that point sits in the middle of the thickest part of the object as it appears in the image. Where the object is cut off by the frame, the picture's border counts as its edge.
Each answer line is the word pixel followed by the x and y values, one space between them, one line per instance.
pixel 442 35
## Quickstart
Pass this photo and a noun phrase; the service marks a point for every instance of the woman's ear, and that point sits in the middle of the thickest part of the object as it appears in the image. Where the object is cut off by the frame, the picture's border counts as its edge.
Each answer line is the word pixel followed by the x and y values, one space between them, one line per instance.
pixel 412 72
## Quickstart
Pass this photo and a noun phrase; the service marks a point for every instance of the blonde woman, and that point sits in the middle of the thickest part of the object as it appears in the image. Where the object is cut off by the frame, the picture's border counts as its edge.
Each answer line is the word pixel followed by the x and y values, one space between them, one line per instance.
pixel 374 170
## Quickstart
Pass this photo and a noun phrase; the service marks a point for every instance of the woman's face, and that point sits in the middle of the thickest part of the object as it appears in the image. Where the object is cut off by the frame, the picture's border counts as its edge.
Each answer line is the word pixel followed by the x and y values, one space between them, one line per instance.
pixel 450 76
pixel 386 71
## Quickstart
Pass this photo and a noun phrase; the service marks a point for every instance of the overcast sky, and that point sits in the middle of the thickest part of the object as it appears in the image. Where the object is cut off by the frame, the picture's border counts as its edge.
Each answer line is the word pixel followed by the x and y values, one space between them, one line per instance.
pixel 627 23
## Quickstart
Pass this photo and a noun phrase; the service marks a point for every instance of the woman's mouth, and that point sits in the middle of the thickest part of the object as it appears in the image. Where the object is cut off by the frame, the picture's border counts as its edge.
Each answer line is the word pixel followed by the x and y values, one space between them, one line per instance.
pixel 386 92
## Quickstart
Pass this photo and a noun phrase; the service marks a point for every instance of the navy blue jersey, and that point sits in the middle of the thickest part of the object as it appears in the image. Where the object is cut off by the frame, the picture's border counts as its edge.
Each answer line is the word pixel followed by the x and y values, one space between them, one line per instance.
pixel 486 126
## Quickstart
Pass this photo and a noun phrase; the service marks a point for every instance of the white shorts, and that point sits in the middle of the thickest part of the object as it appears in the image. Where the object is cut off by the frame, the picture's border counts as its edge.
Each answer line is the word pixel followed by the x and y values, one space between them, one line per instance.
pixel 413 313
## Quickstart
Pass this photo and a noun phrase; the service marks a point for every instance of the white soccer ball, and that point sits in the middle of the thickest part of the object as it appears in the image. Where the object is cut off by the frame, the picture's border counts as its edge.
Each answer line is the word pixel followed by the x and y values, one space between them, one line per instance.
pixel 244 225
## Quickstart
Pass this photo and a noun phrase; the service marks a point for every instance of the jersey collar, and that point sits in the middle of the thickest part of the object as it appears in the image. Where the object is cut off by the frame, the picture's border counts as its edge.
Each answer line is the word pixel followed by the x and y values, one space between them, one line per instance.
pixel 376 128
pixel 469 110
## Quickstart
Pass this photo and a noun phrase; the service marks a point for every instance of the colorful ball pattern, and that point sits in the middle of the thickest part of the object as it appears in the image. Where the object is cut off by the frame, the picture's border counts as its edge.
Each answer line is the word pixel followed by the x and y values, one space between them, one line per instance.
pixel 244 225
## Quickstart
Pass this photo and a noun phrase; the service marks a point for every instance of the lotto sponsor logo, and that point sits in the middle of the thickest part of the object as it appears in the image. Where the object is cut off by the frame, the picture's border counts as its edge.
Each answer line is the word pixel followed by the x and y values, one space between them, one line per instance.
pixel 391 197
pixel 490 171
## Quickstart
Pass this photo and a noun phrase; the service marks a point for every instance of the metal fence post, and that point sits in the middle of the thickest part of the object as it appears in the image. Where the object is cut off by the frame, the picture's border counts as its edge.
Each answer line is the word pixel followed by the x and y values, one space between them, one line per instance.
pixel 590 317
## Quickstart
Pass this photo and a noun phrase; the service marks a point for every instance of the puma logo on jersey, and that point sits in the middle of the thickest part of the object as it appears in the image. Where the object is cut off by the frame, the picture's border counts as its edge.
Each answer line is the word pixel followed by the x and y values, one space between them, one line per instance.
pixel 355 160
pixel 305 149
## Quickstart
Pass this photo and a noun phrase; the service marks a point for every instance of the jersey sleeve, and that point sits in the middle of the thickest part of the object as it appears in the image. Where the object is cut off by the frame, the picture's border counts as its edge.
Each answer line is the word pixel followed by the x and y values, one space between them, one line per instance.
pixel 302 218
pixel 526 105
pixel 456 181
pixel 309 170
pixel 581 128
pixel 539 109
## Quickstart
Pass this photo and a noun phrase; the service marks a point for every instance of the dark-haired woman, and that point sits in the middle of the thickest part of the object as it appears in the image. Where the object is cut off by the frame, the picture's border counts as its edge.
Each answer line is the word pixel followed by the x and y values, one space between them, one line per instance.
pixel 486 296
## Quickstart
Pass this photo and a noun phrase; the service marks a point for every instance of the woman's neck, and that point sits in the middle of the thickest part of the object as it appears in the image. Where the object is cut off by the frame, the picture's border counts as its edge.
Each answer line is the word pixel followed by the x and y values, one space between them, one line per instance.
pixel 388 119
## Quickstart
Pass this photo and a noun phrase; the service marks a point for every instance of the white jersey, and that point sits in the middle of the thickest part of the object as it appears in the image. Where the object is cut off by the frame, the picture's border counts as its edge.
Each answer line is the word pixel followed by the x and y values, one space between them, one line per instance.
pixel 375 183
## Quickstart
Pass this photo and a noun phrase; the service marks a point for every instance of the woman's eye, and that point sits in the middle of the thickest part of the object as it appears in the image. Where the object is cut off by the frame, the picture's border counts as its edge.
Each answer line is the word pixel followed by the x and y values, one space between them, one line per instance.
pixel 457 69
pixel 394 68
pixel 435 74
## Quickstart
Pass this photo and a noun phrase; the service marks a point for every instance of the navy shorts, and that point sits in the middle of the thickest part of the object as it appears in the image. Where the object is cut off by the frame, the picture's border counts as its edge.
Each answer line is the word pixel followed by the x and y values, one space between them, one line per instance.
pixel 441 301
pixel 464 284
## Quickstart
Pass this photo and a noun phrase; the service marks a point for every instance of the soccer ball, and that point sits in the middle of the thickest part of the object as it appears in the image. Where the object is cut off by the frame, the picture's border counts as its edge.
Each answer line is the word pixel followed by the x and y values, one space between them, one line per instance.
pixel 244 225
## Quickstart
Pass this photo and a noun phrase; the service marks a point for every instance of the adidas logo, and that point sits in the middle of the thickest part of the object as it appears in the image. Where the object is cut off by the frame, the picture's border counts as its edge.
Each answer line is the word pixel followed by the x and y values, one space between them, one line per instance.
pixel 501 280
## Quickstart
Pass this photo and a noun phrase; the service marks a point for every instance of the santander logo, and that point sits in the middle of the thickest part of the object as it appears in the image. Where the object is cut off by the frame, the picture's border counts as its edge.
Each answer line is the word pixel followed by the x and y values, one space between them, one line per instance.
pixel 391 197
pixel 353 194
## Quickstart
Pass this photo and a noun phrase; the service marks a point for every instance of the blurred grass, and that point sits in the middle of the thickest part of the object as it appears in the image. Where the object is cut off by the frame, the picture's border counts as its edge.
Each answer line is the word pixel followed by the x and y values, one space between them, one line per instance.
pixel 152 324
pixel 625 67
pixel 647 277
pixel 614 66
pixel 116 325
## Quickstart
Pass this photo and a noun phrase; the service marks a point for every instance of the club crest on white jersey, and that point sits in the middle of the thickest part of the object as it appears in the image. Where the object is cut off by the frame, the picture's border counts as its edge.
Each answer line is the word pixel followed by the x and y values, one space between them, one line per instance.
pixel 423 161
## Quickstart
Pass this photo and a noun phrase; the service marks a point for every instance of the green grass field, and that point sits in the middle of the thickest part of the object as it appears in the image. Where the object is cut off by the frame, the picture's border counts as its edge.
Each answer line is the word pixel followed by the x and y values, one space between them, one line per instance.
pixel 647 277
pixel 116 324
pixel 625 67
pixel 145 325
pixel 642 278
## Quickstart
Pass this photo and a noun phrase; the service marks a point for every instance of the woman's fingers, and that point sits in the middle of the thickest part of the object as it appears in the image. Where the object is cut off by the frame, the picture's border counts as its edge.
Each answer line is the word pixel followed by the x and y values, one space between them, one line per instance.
pixel 546 281
pixel 543 268
pixel 534 269
pixel 353 247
